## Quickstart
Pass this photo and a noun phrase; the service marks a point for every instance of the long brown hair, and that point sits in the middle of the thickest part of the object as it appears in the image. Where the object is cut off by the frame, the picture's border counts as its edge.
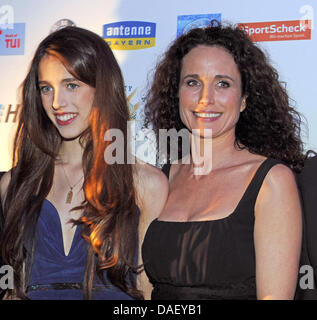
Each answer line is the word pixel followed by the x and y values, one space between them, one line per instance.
pixel 110 220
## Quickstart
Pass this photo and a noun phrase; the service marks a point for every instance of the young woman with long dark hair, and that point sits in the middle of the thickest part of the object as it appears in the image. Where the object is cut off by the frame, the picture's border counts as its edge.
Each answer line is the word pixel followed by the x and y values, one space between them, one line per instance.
pixel 73 222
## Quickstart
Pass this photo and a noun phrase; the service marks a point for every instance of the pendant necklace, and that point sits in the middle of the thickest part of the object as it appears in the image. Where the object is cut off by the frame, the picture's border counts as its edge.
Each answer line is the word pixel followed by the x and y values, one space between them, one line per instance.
pixel 69 196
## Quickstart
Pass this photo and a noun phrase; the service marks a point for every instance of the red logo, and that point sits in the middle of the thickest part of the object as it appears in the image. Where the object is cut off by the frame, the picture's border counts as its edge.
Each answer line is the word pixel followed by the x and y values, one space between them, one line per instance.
pixel 278 30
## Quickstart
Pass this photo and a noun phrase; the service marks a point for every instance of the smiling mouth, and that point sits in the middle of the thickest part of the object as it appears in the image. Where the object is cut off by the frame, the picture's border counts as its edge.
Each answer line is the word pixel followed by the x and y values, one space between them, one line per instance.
pixel 65 118
pixel 207 115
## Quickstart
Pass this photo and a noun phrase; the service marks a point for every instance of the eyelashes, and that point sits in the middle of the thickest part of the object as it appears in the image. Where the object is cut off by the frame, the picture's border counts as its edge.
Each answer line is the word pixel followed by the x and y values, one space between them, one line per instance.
pixel 223 84
pixel 195 83
pixel 192 83
pixel 46 89
pixel 72 86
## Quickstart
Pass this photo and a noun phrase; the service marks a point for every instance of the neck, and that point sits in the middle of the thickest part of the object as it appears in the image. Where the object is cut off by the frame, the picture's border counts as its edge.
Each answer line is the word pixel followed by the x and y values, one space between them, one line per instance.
pixel 71 152
pixel 211 153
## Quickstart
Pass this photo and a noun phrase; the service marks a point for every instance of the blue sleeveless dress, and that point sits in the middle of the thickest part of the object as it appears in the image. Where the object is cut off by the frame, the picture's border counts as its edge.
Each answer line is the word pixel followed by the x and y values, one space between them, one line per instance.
pixel 51 268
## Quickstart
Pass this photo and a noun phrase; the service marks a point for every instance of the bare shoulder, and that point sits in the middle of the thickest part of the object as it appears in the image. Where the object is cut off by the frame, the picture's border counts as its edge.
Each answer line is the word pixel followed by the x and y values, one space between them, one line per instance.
pixel 280 176
pixel 4 183
pixel 279 190
pixel 150 177
pixel 152 188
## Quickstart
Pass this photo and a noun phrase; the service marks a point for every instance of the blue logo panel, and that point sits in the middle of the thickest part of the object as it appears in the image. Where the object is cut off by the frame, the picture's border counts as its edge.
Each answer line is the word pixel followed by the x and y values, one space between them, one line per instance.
pixel 12 40
pixel 130 35
pixel 187 22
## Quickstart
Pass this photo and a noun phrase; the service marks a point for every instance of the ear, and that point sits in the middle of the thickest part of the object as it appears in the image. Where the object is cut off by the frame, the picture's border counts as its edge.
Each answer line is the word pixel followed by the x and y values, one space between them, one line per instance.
pixel 243 103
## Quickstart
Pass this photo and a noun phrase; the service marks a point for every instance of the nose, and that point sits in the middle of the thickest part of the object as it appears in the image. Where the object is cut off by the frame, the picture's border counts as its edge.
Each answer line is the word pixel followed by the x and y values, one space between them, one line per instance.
pixel 207 95
pixel 59 99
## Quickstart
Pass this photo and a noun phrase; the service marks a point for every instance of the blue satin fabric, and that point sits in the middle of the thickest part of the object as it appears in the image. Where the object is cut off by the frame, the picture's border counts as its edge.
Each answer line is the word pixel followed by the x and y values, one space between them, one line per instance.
pixel 51 265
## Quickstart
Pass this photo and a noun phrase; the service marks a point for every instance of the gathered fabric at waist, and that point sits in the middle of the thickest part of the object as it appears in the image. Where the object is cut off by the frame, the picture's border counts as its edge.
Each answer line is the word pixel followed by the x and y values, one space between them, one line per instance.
pixel 241 291
pixel 74 291
pixel 68 286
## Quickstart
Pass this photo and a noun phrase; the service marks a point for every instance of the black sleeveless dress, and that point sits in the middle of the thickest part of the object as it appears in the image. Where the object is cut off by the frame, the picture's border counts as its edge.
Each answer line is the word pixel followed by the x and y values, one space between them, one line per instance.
pixel 206 259
pixel 307 183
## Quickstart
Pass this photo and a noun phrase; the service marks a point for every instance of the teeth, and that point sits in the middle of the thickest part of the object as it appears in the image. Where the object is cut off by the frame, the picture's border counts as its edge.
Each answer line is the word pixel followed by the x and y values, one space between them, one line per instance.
pixel 65 117
pixel 207 114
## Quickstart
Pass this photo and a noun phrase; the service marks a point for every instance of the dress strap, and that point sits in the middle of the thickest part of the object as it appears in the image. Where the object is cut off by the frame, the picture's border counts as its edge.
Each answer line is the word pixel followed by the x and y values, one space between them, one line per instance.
pixel 166 169
pixel 255 185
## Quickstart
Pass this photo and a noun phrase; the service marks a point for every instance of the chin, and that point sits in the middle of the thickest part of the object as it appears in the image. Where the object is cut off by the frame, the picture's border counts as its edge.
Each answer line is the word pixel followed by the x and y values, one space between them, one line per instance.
pixel 71 136
pixel 206 133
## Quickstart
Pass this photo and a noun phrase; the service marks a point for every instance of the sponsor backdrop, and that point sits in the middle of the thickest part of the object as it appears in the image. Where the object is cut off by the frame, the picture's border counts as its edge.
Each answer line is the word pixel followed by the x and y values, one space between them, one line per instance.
pixel 139 31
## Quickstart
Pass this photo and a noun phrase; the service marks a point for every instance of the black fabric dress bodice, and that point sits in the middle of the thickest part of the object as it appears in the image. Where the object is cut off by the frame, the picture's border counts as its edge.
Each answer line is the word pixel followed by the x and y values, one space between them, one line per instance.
pixel 206 259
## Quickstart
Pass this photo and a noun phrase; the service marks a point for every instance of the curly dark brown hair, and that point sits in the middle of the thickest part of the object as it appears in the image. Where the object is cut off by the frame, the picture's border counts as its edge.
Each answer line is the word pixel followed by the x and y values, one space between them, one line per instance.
pixel 269 125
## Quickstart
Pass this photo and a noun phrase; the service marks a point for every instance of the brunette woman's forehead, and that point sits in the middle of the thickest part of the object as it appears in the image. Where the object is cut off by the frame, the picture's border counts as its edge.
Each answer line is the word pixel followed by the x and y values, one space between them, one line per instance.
pixel 61 62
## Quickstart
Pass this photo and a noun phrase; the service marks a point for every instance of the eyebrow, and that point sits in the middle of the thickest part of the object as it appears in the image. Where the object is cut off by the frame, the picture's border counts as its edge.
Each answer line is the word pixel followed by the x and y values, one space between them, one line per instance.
pixel 218 76
pixel 63 81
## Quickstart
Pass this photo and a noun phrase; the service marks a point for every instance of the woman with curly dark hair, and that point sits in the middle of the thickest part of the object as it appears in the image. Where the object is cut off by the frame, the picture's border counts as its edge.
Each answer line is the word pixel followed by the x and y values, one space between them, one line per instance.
pixel 231 227
pixel 74 222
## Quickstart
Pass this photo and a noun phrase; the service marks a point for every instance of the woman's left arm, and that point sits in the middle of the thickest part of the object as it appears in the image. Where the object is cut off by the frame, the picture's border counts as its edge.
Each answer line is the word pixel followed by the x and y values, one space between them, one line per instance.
pixel 152 188
pixel 277 235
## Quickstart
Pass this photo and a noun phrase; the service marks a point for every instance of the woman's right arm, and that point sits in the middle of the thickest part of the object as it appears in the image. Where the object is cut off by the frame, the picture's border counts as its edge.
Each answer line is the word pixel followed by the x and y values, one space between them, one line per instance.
pixel 152 189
